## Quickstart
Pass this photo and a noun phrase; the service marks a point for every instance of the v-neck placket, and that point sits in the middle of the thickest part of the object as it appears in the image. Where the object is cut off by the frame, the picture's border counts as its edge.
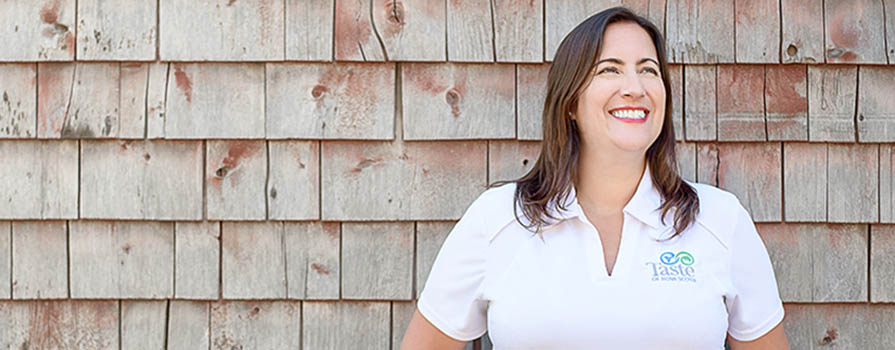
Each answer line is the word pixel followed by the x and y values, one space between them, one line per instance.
pixel 597 260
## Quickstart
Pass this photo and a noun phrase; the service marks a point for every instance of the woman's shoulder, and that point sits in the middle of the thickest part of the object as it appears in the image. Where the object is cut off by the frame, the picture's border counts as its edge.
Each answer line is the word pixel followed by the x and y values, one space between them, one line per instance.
pixel 494 207
pixel 718 210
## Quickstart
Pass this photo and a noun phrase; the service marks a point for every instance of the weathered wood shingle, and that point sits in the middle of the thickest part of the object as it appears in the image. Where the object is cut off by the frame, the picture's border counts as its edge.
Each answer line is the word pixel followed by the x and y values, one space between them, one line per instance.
pixel 805 182
pixel 256 325
pixel 531 90
pixel 5 259
pixel 430 235
pixel 40 259
pixel 313 266
pixel 121 260
pixel 840 326
pixel 700 31
pixel 757 19
pixel 197 260
pixel 78 100
pixel 309 30
pixel 330 101
pixel 802 31
pixel 700 103
pixel 458 101
pixel 401 181
pixel 752 171
pixel 854 31
pixel 218 30
pixel 114 31
pixel 235 179
pixel 509 160
pixel 18 118
pixel 882 263
pixel 377 260
pixel 143 324
pixel 69 324
pixel 39 179
pixel 741 113
pixel 293 183
pixel 377 30
pixel 786 102
pixel 831 103
pixel 325 325
pixel 189 325
pixel 156 180
pixel 253 261
pixel 876 107
pixel 38 30
pixel 470 31
pixel 853 183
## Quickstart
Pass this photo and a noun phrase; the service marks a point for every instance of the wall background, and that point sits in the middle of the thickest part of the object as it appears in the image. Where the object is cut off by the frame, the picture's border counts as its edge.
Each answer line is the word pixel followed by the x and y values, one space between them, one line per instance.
pixel 270 174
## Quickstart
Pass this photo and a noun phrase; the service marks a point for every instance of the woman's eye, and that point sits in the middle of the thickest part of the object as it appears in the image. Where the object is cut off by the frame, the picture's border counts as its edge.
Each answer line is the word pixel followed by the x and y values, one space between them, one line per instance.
pixel 651 70
pixel 608 69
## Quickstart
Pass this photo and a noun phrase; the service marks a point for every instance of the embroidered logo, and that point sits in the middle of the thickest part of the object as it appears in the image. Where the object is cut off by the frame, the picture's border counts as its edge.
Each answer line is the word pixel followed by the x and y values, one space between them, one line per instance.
pixel 674 267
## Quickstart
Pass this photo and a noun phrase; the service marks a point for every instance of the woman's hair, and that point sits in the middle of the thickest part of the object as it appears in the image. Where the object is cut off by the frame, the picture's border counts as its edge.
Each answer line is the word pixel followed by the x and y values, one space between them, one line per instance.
pixel 550 180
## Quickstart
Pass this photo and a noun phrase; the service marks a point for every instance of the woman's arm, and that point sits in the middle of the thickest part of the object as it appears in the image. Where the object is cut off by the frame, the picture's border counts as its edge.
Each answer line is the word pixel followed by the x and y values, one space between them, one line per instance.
pixel 421 334
pixel 775 339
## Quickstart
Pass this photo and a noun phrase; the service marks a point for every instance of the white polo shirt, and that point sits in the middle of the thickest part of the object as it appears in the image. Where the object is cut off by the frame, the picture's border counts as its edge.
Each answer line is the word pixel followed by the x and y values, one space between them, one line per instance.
pixel 493 275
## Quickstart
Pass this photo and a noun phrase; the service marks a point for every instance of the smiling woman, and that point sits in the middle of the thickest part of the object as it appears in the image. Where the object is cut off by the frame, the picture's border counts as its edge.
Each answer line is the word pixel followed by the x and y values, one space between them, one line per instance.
pixel 602 240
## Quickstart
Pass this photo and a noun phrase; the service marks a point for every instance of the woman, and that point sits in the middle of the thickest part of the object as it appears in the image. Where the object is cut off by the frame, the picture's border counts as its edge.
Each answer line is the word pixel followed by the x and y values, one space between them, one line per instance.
pixel 627 254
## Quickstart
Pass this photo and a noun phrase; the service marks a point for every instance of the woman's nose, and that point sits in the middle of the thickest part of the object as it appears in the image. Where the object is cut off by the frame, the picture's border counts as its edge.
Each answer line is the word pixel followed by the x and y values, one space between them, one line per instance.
pixel 632 86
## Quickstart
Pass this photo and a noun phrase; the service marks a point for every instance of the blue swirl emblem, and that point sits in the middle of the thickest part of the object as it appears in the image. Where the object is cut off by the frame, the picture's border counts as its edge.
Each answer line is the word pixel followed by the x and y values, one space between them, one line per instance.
pixel 669 258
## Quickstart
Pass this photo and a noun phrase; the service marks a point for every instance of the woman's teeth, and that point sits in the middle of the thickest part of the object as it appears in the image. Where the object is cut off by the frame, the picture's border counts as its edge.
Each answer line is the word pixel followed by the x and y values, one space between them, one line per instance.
pixel 629 114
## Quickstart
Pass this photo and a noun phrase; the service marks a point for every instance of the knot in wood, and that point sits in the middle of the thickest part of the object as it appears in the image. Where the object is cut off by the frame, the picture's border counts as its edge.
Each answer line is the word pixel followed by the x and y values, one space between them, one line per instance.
pixel 792 50
pixel 222 171
pixel 318 91
pixel 395 12
pixel 452 97
pixel 835 52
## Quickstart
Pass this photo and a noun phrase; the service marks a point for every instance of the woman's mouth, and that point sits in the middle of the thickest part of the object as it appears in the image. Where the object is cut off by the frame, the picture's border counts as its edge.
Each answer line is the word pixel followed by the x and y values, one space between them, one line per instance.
pixel 630 114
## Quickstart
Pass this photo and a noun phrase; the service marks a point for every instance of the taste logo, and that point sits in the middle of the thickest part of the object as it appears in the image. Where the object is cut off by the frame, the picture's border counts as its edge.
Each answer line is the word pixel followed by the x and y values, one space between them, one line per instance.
pixel 674 267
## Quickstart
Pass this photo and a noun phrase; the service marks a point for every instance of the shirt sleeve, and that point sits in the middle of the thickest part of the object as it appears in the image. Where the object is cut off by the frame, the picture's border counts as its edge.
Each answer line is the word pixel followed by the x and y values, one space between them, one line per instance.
pixel 451 298
pixel 754 306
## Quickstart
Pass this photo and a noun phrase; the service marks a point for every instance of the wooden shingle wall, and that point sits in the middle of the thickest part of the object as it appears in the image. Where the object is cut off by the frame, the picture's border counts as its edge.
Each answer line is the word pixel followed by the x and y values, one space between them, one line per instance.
pixel 281 173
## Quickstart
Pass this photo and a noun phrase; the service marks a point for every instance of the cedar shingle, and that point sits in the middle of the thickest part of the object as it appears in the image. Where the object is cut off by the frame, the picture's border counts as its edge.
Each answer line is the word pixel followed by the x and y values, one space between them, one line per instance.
pixel 235 178
pixel 40 266
pixel 253 261
pixel 293 184
pixel 876 107
pixel 757 31
pixel 752 171
pixel 805 181
pixel 309 30
pixel 197 260
pixel 313 268
pixel 257 325
pixel 854 31
pixel 831 103
pixel 853 183
pixel 700 31
pixel 114 31
pixel 509 160
pixel 377 260
pixel 786 101
pixel 38 30
pixel 803 31
pixel 700 103
pixel 18 100
pixel 741 114
pixel 325 324
pixel 39 179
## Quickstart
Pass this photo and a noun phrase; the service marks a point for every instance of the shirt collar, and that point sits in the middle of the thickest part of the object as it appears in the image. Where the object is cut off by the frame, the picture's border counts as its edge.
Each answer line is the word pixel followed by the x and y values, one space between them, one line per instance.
pixel 643 205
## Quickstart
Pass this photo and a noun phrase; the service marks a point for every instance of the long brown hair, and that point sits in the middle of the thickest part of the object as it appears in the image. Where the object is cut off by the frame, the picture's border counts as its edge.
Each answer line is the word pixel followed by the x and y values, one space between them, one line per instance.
pixel 549 182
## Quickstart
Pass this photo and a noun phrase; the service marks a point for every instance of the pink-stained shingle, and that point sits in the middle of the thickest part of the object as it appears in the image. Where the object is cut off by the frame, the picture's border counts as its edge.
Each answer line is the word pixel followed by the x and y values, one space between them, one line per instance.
pixel 853 183
pixel 37 30
pixel 831 103
pixel 757 31
pixel 377 260
pixel 700 103
pixel 377 30
pixel 786 102
pixel 854 31
pixel 509 160
pixel 531 90
pixel 805 182
pixel 235 178
pixel 253 262
pixel 700 31
pixel 257 325
pixel 876 105
pixel 752 172
pixel 741 103
pixel 803 31
pixel 64 324
pixel 882 263
pixel 313 264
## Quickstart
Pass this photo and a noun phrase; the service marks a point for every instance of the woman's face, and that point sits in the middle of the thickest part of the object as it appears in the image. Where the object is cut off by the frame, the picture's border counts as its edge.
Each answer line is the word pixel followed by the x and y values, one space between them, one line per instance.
pixel 623 106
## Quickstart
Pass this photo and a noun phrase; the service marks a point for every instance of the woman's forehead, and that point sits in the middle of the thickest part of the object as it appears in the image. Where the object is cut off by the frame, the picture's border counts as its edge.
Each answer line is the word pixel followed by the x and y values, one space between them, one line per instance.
pixel 627 41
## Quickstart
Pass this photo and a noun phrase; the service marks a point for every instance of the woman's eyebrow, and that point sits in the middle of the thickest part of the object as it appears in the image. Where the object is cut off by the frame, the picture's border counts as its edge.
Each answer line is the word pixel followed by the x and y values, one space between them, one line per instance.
pixel 618 61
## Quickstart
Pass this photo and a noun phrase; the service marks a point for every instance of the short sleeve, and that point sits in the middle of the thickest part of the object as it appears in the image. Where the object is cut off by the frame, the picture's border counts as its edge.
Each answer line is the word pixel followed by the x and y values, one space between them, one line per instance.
pixel 451 298
pixel 754 306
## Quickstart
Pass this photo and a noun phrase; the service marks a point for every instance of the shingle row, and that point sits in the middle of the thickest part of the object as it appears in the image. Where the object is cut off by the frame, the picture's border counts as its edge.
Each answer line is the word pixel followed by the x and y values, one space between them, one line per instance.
pixel 438 30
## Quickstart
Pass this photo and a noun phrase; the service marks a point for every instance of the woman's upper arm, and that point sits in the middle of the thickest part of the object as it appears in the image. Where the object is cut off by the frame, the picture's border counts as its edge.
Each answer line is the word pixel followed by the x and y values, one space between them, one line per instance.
pixel 421 334
pixel 775 339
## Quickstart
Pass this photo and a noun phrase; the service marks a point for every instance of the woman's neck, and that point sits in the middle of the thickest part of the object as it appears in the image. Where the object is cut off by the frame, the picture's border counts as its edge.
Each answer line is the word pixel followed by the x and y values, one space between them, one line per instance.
pixel 606 182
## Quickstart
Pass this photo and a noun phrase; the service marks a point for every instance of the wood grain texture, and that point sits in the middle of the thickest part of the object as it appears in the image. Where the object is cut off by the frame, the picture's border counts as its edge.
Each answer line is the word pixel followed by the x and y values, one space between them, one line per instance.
pixel 887 183
pixel 889 6
pixel 326 323
pixel 802 31
pixel 253 261
pixel 189 325
pixel 700 31
pixel 377 260
pixel 509 160
pixel 757 19
pixel 818 262
pixel 402 312
pixel 458 101
pixel 110 31
pixel 518 30
pixel 700 107
pixel 562 16
pixel 675 75
pixel 78 100
pixel 331 101
pixel 156 180
pixel 882 263
pixel 197 260
pixel 293 183
pixel 215 101
pixel 853 183
pixel 309 30
pixel 235 179
pixel 805 182
pixel 380 30
pixel 752 172
pixel 840 326
pixel 470 31
pixel 313 267
pixel 686 160
pixel 221 30
pixel 136 259
pixel 786 102
pixel 430 235
pixel 143 324
pixel 256 325
pixel 39 180
pixel 707 166
pixel 132 99
pixel 39 30
pixel 5 259
pixel 876 107
pixel 40 259
pixel 531 90
pixel 741 113
pixel 18 117
pixel 156 96
pixel 70 324
pixel 854 31
pixel 831 103
pixel 404 181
